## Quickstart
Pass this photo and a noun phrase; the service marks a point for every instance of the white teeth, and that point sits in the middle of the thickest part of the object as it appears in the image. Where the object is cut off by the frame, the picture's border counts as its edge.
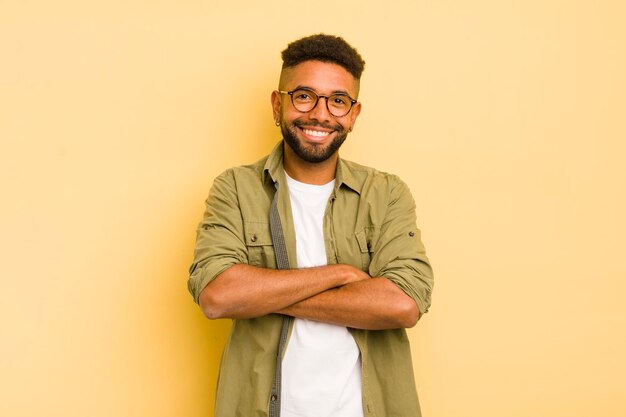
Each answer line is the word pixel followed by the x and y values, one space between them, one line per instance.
pixel 316 133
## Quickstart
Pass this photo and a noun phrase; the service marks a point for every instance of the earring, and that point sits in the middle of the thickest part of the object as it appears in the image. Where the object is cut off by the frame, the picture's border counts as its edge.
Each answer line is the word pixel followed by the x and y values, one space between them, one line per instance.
pixel 277 123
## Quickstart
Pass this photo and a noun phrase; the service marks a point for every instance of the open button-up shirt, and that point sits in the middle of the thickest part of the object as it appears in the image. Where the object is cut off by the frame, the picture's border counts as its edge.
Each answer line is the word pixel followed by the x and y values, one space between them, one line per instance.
pixel 369 223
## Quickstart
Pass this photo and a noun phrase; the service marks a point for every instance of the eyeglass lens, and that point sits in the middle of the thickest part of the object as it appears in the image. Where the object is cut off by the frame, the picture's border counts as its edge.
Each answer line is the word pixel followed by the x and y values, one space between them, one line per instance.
pixel 337 104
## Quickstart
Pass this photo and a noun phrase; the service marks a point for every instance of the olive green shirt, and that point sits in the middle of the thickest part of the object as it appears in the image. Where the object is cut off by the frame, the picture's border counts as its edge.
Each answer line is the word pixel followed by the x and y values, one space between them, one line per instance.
pixel 369 223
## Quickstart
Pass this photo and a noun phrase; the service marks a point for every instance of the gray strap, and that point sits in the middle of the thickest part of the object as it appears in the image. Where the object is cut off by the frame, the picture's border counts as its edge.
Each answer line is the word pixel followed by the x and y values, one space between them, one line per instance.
pixel 278 239
pixel 282 261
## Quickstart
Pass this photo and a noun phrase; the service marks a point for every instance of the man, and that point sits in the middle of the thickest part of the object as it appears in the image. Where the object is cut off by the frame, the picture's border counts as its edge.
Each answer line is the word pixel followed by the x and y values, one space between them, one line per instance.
pixel 317 259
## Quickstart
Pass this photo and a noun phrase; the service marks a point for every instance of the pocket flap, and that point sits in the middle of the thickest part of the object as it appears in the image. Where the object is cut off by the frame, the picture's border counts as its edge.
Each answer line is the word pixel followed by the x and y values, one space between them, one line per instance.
pixel 257 233
pixel 367 238
pixel 361 238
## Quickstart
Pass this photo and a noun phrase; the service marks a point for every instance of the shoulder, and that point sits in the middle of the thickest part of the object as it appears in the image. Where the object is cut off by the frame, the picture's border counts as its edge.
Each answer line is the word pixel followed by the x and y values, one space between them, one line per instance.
pixel 248 187
pixel 249 174
pixel 368 180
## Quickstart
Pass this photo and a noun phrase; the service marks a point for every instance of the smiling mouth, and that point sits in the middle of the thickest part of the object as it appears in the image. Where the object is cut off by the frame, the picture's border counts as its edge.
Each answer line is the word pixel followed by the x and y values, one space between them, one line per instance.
pixel 319 134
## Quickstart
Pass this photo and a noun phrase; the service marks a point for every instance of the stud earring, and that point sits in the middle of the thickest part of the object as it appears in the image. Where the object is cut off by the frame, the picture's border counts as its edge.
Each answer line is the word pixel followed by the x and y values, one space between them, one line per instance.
pixel 276 122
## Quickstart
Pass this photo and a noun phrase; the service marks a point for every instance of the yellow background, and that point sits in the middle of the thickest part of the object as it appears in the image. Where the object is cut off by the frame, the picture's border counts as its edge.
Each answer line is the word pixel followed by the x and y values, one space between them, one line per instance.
pixel 506 119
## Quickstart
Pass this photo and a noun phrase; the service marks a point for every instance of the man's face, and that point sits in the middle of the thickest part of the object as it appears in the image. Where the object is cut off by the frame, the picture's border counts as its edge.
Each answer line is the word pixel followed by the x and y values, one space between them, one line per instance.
pixel 316 135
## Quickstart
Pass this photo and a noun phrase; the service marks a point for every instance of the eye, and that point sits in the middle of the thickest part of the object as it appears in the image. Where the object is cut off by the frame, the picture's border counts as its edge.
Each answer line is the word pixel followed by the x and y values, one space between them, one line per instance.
pixel 303 96
pixel 339 100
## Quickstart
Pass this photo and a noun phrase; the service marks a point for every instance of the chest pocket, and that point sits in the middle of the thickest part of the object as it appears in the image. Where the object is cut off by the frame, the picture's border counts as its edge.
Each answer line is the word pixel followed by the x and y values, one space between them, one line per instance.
pixel 259 244
pixel 366 239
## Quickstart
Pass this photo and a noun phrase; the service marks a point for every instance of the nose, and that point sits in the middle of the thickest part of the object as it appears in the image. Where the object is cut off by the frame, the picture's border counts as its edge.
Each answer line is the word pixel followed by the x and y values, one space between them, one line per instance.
pixel 320 111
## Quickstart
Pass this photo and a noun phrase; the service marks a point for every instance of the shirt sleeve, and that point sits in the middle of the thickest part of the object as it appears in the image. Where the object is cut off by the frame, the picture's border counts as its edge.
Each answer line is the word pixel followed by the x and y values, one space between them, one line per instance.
pixel 219 240
pixel 399 254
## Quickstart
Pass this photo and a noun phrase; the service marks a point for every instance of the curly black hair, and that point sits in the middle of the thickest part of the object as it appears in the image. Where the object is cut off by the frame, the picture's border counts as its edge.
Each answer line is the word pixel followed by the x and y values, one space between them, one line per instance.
pixel 325 48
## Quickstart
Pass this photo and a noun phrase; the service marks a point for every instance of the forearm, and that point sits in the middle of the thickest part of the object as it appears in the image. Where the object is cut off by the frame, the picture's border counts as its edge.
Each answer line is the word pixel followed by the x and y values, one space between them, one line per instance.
pixel 374 304
pixel 244 291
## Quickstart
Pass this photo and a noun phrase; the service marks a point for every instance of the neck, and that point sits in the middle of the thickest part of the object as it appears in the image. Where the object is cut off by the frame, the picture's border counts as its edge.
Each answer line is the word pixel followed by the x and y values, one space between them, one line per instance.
pixel 318 173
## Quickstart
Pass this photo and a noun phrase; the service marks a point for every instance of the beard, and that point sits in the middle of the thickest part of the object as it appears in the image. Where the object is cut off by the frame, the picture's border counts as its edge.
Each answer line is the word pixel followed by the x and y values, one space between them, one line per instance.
pixel 313 153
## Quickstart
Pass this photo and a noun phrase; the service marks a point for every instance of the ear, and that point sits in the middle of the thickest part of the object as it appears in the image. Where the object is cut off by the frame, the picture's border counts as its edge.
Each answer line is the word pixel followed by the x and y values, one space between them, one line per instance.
pixel 276 105
pixel 354 113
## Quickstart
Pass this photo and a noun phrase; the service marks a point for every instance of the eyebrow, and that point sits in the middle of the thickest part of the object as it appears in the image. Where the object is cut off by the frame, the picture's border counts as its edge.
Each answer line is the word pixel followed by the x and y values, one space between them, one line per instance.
pixel 306 87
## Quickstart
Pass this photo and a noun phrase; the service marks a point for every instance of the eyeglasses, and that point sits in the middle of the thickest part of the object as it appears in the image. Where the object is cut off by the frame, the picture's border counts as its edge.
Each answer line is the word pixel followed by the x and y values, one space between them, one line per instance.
pixel 305 100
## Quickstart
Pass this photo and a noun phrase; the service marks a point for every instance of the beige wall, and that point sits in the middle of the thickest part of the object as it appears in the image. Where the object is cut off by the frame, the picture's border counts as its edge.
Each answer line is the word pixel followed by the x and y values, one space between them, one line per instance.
pixel 507 122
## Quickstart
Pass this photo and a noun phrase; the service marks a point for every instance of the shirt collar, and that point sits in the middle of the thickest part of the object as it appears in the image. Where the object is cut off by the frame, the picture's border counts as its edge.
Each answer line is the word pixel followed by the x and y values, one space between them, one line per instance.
pixel 274 164
pixel 274 168
pixel 346 177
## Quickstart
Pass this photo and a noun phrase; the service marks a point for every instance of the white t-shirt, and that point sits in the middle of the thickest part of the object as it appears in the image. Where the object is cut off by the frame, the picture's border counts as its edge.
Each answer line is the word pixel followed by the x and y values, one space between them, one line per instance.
pixel 321 369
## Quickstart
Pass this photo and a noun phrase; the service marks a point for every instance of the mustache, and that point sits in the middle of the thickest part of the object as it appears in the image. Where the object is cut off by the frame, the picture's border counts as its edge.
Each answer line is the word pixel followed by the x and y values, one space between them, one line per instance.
pixel 302 124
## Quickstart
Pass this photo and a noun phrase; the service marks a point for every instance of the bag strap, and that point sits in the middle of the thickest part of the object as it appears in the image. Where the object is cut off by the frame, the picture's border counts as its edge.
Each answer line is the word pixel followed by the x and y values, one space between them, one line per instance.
pixel 282 262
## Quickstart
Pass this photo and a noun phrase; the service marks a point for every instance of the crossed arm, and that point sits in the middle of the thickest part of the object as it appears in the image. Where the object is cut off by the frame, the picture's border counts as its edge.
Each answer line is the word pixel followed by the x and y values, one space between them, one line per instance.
pixel 337 294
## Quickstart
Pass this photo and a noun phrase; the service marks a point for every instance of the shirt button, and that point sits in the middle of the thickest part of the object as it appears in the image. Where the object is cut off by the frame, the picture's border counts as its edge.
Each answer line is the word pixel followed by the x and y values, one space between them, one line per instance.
pixel 411 233
pixel 253 238
pixel 273 397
